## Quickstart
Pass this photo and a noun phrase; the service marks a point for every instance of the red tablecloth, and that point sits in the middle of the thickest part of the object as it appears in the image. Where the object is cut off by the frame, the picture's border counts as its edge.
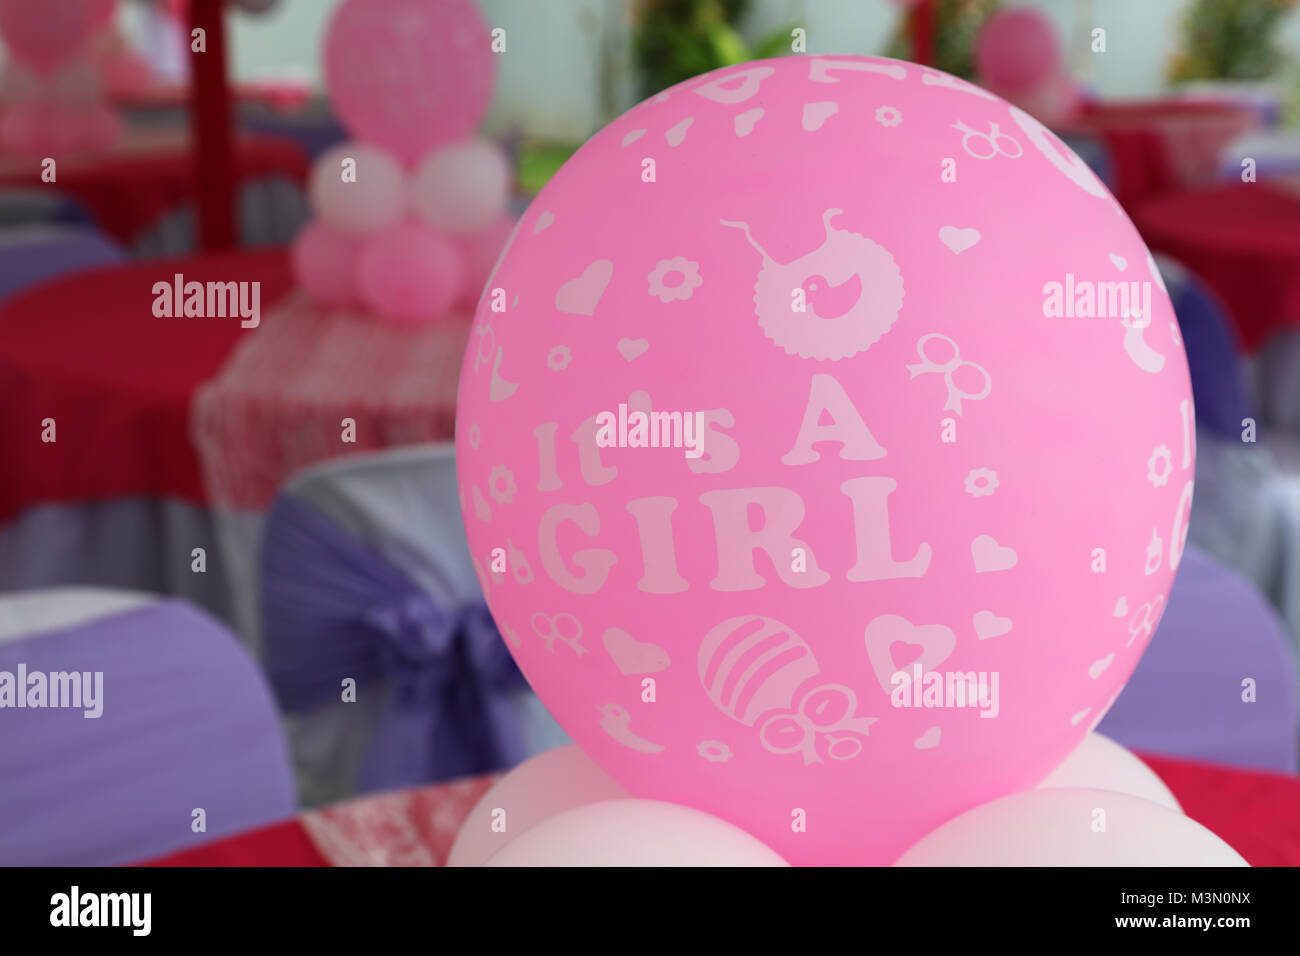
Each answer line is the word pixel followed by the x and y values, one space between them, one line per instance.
pixel 88 352
pixel 1243 239
pixel 1258 814
pixel 1157 146
pixel 129 188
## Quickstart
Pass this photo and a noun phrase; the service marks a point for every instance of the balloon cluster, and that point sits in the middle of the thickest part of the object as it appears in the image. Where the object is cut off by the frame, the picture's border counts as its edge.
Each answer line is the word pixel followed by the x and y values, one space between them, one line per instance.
pixel 52 94
pixel 563 810
pixel 410 216
pixel 824 522
pixel 1018 56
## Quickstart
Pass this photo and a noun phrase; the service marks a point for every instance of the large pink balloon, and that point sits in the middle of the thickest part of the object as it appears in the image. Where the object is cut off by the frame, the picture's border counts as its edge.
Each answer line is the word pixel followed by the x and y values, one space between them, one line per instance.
pixel 1067 827
pixel 1017 50
pixel 536 790
pixel 45 35
pixel 409 74
pixel 914 455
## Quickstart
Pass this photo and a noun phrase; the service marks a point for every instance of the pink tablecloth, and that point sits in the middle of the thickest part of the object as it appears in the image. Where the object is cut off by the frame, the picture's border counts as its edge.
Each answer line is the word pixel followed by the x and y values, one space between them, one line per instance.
pixel 279 403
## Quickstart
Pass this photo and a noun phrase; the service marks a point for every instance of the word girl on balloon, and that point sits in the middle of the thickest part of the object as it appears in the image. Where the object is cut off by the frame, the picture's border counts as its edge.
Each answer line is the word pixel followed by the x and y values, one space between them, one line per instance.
pixel 737 539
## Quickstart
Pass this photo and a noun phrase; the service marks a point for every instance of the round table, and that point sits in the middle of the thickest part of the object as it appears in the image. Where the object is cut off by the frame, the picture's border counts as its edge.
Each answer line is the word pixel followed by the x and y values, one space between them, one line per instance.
pixel 130 187
pixel 1157 146
pixel 1243 240
pixel 88 352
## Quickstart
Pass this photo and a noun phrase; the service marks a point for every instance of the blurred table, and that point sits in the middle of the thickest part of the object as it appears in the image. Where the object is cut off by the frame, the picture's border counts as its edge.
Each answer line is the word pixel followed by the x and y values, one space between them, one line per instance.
pixel 88 352
pixel 1258 814
pixel 1158 146
pixel 312 385
pixel 130 187
pixel 1243 240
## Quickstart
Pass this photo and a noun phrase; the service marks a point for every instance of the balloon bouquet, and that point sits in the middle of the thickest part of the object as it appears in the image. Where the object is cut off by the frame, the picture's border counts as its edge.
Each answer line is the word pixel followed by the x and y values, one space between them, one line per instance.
pixel 410 216
pixel 830 532
pixel 1018 57
pixel 52 96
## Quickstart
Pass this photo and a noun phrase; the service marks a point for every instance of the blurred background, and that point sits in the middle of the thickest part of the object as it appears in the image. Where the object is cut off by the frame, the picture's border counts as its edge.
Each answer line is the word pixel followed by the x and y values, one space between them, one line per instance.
pixel 234 514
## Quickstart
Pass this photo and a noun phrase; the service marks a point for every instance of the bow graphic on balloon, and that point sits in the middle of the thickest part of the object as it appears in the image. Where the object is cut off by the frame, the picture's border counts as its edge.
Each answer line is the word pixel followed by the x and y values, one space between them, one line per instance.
pixel 824 713
pixel 955 394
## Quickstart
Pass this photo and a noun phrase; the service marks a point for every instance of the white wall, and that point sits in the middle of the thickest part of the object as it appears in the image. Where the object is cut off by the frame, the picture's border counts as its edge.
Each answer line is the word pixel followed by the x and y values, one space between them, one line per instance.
pixel 550 76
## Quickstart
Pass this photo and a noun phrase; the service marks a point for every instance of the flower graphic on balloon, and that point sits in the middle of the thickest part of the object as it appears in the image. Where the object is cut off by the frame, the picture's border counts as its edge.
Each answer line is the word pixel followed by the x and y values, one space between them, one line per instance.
pixel 501 484
pixel 981 482
pixel 714 751
pixel 1159 475
pixel 559 358
pixel 475 436
pixel 889 116
pixel 687 279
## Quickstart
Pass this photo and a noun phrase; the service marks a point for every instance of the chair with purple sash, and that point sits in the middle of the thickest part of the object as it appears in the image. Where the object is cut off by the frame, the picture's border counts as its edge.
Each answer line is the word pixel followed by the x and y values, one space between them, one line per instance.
pixel 130 727
pixel 1218 681
pixel 380 647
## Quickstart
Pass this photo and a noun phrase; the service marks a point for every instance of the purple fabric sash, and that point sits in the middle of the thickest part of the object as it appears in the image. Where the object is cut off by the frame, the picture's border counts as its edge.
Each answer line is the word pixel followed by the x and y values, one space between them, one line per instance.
pixel 334 608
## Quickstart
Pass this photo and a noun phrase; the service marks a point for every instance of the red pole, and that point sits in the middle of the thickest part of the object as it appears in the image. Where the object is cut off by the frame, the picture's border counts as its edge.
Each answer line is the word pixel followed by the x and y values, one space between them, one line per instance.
pixel 923 16
pixel 212 129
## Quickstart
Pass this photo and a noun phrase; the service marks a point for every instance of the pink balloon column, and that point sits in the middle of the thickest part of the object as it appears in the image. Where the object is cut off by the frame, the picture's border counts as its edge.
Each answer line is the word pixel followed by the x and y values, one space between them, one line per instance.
pixel 420 199
pixel 841 441
pixel 53 97
pixel 1018 56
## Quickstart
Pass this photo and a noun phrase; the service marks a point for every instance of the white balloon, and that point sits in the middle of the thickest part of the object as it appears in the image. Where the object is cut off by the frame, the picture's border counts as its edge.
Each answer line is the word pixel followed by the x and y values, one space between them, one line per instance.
pixel 463 187
pixel 536 790
pixel 1071 828
pixel 1101 764
pixel 360 203
pixel 635 833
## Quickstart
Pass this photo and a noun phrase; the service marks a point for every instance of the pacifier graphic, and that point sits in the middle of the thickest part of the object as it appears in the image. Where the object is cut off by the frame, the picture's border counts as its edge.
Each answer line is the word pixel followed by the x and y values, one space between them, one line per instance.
pixel 852 287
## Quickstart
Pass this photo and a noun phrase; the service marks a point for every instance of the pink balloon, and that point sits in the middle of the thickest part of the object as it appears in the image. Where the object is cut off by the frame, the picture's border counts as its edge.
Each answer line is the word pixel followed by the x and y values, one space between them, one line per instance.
pixel 46 35
pixel 913 454
pixel 634 833
pixel 480 252
pixel 536 790
pixel 1056 827
pixel 409 273
pixel 1017 50
pixel 326 262
pixel 409 74
pixel 372 195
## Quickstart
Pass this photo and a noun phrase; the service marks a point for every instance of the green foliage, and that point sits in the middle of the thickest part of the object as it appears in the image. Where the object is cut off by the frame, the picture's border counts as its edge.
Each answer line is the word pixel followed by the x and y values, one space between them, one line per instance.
pixel 678 39
pixel 1230 40
pixel 957 22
